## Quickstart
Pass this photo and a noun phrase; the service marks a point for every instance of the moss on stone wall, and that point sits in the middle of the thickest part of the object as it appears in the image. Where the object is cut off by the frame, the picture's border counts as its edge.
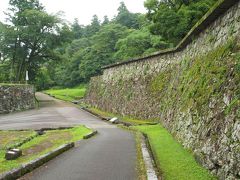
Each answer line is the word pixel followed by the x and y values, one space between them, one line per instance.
pixel 194 92
pixel 16 97
pixel 199 79
pixel 160 83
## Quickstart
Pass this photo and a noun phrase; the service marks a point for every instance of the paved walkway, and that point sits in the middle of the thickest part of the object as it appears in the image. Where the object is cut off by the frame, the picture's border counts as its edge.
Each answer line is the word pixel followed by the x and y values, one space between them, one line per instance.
pixel 111 155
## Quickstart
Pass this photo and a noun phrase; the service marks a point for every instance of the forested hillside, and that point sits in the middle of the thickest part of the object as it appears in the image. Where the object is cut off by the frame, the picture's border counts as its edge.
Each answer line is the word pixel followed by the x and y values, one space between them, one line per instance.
pixel 57 53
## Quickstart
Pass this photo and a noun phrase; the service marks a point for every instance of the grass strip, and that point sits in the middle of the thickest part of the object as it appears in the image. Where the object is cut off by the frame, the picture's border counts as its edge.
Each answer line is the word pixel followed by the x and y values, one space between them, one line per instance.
pixel 68 94
pixel 11 138
pixel 131 120
pixel 175 161
pixel 43 144
pixel 142 174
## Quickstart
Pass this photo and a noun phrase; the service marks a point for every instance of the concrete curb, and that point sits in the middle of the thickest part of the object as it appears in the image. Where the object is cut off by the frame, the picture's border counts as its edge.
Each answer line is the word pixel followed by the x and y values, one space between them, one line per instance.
pixel 148 160
pixel 26 168
pixel 151 164
pixel 152 155
pixel 45 129
pixel 90 135
pixel 34 136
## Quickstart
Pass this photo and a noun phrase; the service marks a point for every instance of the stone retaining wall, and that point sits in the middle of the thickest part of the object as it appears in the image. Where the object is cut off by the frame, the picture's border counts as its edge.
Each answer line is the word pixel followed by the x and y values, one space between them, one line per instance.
pixel 193 90
pixel 16 98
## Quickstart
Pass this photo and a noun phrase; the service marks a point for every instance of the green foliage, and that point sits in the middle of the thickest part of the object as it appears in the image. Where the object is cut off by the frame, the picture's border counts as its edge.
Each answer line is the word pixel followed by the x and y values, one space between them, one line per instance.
pixel 56 54
pixel 138 43
pixel 87 55
pixel 105 20
pixel 68 94
pixel 205 76
pixel 94 27
pixel 173 19
pixel 43 79
pixel 126 18
pixel 77 29
pixel 174 161
pixel 160 83
pixel 128 35
pixel 4 69
pixel 194 82
pixel 30 39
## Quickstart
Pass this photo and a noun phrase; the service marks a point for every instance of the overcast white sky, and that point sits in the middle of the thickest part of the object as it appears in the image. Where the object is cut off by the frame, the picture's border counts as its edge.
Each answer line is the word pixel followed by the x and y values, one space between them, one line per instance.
pixel 83 9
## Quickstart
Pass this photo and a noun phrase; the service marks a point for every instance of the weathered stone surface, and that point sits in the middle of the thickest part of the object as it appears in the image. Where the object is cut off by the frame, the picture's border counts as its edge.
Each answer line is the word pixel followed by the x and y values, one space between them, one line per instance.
pixel 114 120
pixel 40 132
pixel 207 122
pixel 18 151
pixel 16 98
pixel 75 102
pixel 13 154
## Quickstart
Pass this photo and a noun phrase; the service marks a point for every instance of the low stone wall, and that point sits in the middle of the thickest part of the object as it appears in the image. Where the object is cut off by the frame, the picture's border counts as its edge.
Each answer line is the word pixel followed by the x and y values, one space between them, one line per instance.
pixel 193 90
pixel 16 98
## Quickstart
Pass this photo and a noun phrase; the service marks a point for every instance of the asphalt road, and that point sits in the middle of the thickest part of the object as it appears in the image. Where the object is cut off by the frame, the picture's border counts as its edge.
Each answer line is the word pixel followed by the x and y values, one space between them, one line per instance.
pixel 111 155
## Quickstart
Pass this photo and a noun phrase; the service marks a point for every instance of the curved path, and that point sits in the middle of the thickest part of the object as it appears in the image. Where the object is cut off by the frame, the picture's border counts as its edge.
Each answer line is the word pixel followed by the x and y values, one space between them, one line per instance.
pixel 111 155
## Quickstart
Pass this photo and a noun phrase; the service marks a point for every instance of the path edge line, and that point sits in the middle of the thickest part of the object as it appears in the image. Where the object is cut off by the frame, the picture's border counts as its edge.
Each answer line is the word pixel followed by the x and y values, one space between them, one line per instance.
pixel 149 160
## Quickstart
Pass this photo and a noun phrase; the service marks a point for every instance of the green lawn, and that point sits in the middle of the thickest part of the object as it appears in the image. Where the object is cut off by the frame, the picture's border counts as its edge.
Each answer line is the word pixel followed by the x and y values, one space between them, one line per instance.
pixel 8 138
pixel 41 145
pixel 68 94
pixel 131 120
pixel 175 162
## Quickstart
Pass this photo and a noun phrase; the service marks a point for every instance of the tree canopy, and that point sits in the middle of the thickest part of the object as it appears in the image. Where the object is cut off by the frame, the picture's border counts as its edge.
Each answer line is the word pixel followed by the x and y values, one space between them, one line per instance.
pixel 30 38
pixel 57 53
pixel 172 19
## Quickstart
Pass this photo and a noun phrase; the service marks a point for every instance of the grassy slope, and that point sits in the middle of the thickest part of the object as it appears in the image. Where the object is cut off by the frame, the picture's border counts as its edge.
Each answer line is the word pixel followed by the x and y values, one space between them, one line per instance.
pixel 68 94
pixel 123 118
pixel 175 161
pixel 43 144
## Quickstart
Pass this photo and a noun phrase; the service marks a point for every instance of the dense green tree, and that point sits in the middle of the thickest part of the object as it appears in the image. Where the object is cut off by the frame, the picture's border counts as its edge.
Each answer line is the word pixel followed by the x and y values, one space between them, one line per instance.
pixel 102 50
pixel 94 27
pixel 138 43
pixel 43 79
pixel 61 55
pixel 172 19
pixel 30 39
pixel 105 40
pixel 126 18
pixel 105 20
pixel 77 45
pixel 77 29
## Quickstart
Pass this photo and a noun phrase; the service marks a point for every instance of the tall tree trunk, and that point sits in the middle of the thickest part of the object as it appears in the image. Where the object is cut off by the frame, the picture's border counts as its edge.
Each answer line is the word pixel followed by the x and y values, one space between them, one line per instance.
pixel 20 70
pixel 12 72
